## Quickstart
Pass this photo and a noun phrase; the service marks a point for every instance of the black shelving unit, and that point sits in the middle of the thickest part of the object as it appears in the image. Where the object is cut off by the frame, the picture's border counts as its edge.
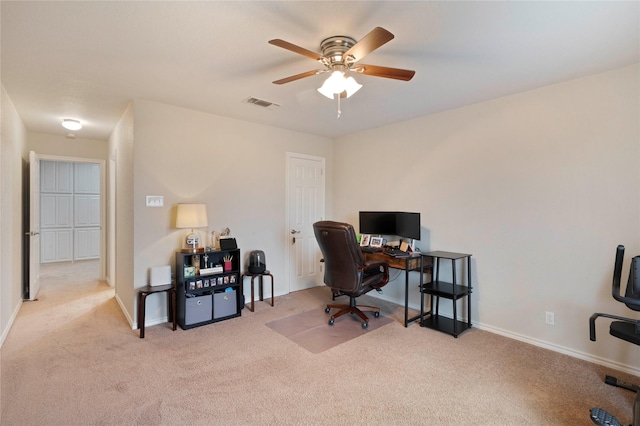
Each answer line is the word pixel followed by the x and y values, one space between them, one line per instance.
pixel 207 297
pixel 453 291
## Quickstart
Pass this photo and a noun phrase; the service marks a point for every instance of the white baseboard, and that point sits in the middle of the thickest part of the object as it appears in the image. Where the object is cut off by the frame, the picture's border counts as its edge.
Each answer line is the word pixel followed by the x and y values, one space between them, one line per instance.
pixel 126 314
pixel 630 369
pixel 561 349
pixel 5 332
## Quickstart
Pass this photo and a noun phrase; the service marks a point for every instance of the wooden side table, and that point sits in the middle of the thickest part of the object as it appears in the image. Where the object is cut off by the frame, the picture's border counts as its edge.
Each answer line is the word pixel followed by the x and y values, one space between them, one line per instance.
pixel 260 277
pixel 142 298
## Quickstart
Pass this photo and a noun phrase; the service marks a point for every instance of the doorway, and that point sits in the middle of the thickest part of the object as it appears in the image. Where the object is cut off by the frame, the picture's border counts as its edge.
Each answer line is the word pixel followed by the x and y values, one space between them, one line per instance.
pixel 305 205
pixel 71 205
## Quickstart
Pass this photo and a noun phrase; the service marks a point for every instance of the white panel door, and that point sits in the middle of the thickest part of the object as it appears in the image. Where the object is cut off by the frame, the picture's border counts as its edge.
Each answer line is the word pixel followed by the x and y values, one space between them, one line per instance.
pixel 305 198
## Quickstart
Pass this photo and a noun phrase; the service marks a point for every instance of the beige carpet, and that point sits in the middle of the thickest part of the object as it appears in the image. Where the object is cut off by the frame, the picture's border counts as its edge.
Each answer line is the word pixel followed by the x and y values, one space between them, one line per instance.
pixel 72 359
pixel 310 329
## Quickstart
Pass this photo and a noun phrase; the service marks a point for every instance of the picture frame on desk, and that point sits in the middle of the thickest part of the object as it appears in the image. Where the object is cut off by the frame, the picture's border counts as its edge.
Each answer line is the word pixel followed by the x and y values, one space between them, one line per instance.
pixel 376 242
pixel 364 240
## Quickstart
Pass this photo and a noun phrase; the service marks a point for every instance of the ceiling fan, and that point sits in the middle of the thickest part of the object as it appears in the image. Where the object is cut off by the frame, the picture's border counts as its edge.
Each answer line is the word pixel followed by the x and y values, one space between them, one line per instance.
pixel 340 56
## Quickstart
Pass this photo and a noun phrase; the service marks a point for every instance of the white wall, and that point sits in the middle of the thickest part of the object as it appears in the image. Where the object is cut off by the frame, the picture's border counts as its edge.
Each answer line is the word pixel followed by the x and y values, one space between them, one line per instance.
pixel 540 187
pixel 13 157
pixel 237 168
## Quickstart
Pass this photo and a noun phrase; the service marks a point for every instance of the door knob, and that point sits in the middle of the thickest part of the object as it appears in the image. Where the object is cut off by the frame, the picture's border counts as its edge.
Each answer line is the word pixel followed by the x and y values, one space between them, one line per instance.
pixel 293 231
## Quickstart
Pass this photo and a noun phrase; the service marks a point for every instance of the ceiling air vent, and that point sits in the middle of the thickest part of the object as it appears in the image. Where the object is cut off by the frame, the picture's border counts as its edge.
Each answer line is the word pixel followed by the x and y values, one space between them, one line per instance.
pixel 261 103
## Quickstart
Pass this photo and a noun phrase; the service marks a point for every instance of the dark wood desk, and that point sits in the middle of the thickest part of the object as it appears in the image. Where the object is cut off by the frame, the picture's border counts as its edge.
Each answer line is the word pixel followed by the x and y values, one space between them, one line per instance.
pixel 142 298
pixel 407 264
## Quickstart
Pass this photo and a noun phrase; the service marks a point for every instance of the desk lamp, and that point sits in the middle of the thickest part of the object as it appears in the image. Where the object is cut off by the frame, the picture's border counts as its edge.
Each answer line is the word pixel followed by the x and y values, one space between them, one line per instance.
pixel 192 216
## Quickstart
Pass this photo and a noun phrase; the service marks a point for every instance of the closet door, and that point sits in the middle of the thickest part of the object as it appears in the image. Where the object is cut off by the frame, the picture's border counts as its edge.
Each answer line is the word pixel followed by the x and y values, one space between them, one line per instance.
pixel 86 218
pixel 56 211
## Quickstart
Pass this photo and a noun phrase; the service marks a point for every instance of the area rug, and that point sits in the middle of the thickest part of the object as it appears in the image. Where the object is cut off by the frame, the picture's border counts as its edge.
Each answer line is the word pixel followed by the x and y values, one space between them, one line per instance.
pixel 310 329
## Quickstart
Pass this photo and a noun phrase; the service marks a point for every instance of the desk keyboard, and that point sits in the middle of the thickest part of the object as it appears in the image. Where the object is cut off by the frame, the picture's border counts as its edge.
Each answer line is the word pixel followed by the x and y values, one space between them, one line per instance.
pixel 396 253
pixel 369 249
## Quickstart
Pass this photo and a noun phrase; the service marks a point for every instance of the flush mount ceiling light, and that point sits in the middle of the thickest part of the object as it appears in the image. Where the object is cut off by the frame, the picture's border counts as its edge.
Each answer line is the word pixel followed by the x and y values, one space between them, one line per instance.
pixel 70 124
pixel 340 55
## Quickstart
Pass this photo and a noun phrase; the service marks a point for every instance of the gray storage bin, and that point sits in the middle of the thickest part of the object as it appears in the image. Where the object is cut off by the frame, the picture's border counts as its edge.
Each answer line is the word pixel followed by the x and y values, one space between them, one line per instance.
pixel 197 309
pixel 225 304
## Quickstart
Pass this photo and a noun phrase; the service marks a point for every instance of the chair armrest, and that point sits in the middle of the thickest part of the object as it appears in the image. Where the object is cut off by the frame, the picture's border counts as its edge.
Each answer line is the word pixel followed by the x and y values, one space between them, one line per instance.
pixel 592 323
pixel 377 264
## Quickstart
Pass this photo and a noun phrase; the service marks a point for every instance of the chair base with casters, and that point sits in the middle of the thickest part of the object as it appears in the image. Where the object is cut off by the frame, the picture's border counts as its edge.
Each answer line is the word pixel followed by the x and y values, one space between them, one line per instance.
pixel 627 329
pixel 352 308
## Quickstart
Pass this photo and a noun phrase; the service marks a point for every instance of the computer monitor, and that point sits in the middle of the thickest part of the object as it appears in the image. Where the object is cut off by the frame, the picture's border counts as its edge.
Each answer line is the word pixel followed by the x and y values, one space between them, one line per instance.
pixel 382 223
pixel 401 224
pixel 408 225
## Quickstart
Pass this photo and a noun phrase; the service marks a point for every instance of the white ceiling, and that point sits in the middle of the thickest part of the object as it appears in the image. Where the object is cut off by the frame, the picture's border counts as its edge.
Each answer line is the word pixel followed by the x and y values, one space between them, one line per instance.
pixel 89 59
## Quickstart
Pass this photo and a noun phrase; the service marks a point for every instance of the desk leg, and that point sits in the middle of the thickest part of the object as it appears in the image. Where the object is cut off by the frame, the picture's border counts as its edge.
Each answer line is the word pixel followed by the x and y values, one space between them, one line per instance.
pixel 142 297
pixel 406 297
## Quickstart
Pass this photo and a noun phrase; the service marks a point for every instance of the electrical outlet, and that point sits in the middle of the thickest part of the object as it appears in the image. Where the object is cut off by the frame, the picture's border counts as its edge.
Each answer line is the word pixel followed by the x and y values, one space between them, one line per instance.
pixel 550 318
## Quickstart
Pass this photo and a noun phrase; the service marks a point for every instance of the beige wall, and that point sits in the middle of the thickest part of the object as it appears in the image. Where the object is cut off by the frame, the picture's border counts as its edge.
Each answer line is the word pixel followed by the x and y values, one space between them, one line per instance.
pixel 45 144
pixel 237 168
pixel 540 187
pixel 13 157
pixel 121 144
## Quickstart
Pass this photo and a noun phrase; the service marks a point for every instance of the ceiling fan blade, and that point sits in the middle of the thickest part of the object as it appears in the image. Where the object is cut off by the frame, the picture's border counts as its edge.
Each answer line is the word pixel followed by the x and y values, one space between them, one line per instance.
pixel 297 76
pixel 296 49
pixel 386 72
pixel 376 38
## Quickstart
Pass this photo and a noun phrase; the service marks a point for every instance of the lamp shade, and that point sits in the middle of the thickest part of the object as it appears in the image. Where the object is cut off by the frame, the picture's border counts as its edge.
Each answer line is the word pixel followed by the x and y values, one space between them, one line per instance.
pixel 191 216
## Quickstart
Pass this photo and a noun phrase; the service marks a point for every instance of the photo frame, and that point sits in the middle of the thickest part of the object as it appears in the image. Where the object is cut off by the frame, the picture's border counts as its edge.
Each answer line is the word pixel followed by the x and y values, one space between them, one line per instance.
pixel 364 240
pixel 376 242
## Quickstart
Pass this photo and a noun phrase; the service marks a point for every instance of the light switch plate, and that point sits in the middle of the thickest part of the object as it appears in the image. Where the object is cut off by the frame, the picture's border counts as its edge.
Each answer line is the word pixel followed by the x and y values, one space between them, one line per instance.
pixel 155 201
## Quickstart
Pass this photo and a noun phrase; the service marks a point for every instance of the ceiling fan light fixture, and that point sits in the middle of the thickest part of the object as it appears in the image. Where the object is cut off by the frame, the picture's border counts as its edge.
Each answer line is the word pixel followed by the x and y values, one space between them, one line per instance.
pixel 352 86
pixel 338 83
pixel 71 124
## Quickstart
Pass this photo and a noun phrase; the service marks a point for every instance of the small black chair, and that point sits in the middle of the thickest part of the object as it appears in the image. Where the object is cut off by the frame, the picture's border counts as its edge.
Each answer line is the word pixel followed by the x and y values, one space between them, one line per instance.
pixel 627 329
pixel 346 271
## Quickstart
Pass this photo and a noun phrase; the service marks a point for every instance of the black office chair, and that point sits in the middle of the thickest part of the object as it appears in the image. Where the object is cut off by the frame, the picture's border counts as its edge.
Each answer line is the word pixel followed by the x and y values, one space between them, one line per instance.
pixel 346 271
pixel 623 328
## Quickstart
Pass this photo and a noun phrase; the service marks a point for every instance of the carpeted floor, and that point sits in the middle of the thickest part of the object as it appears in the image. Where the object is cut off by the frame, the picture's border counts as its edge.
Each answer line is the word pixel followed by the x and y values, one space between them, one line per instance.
pixel 71 358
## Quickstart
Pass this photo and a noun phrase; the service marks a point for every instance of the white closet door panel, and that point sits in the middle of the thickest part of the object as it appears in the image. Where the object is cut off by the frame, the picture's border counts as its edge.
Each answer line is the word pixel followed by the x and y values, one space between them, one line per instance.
pixel 87 178
pixel 55 245
pixel 94 243
pixel 64 245
pixel 56 176
pixel 94 210
pixel 48 246
pixel 48 210
pixel 64 211
pixel 64 174
pixel 55 210
pixel 81 244
pixel 86 243
pixel 48 181
pixel 87 210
